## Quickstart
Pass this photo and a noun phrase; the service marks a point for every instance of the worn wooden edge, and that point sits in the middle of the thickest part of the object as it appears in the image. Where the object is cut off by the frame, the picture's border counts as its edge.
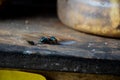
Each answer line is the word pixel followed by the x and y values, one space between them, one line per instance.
pixel 17 59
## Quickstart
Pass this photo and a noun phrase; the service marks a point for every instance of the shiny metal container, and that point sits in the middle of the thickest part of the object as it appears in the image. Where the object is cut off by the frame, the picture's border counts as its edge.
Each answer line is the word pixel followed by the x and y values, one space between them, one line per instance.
pixel 100 17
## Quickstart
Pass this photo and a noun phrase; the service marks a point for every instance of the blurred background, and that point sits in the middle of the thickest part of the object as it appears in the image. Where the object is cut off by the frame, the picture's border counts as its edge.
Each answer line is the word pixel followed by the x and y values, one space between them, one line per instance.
pixel 44 8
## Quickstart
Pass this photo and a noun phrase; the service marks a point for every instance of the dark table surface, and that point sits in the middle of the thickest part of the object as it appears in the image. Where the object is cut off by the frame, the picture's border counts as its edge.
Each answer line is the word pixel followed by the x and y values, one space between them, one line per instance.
pixel 76 52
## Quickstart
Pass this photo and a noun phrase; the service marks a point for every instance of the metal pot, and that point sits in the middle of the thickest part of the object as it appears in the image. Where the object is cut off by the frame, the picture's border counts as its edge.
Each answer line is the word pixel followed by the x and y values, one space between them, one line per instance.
pixel 101 17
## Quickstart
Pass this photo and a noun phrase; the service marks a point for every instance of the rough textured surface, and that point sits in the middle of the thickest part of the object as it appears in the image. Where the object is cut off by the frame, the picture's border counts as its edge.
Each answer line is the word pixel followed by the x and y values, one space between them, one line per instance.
pixel 77 76
pixel 78 52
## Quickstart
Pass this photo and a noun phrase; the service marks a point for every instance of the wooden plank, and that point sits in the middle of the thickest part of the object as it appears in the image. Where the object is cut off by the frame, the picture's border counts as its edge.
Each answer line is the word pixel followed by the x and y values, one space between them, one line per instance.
pixel 83 51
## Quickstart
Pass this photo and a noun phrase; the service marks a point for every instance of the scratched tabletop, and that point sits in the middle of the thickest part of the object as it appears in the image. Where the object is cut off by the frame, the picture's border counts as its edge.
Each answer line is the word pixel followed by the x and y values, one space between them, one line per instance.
pixel 76 51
